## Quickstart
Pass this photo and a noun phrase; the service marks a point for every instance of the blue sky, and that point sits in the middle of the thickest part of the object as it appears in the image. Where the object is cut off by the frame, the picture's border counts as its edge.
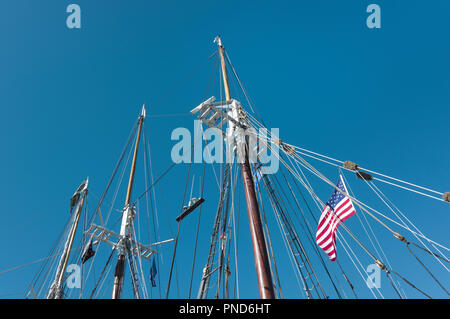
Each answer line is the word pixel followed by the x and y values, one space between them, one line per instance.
pixel 69 98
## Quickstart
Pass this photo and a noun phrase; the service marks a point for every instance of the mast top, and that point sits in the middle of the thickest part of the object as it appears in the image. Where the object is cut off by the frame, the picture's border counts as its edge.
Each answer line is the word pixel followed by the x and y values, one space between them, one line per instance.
pixel 143 111
pixel 83 186
pixel 218 40
pixel 86 183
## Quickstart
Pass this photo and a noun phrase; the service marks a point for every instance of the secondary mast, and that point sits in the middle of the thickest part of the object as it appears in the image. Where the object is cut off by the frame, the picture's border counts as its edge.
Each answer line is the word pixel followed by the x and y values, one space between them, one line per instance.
pixel 127 219
pixel 77 202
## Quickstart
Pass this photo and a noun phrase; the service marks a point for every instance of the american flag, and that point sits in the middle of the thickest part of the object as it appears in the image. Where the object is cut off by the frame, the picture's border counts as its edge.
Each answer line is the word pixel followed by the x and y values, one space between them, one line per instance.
pixel 338 208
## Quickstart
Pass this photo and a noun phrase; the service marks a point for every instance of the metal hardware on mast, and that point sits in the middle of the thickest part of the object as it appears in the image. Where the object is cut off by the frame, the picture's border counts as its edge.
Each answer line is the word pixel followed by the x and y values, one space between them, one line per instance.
pixel 127 219
pixel 262 265
pixel 56 290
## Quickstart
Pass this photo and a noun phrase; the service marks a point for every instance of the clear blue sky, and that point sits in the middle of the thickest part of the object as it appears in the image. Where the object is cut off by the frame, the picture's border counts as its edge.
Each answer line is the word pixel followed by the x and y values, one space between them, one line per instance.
pixel 68 99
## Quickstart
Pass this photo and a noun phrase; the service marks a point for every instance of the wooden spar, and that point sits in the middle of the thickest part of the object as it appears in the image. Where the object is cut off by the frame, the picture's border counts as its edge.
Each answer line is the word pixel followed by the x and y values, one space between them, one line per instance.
pixel 263 273
pixel 224 72
pixel 133 165
pixel 120 265
pixel 189 209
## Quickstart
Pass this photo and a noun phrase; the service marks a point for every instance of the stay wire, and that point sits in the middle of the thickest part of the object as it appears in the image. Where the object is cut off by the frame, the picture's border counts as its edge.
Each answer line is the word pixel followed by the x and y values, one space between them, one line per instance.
pixel 423 265
pixel 101 274
pixel 178 230
pixel 360 243
pixel 429 252
pixel 409 283
pixel 234 72
pixel 210 82
pixel 316 221
pixel 97 209
pixel 250 102
pixel 169 92
pixel 300 247
pixel 196 233
pixel 275 268
pixel 380 194
pixel 370 171
pixel 149 204
pixel 278 210
pixel 309 232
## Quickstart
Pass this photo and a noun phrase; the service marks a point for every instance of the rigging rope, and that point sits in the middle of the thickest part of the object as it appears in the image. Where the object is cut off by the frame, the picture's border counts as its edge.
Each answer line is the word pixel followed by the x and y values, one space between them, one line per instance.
pixel 288 150
pixel 376 239
pixel 178 230
pixel 114 173
pixel 223 236
pixel 375 189
pixel 277 284
pixel 236 240
pixel 431 274
pixel 213 243
pixel 347 280
pixel 197 231
pixel 311 237
pixel 316 199
pixel 250 103
pixel 131 138
pixel 348 165
pixel 409 283
pixel 301 248
pixel 360 204
pixel 309 232
pixel 149 177
pixel 33 262
pixel 170 91
pixel 101 274
pixel 380 264
pixel 288 241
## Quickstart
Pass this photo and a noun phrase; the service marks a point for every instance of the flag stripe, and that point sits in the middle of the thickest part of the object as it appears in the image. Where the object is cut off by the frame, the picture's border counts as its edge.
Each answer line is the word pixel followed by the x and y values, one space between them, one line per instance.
pixel 336 216
pixel 338 208
pixel 331 229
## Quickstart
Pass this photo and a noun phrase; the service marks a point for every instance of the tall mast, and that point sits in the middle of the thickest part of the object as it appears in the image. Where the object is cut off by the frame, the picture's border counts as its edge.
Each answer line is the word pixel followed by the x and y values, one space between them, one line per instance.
pixel 127 219
pixel 56 289
pixel 256 230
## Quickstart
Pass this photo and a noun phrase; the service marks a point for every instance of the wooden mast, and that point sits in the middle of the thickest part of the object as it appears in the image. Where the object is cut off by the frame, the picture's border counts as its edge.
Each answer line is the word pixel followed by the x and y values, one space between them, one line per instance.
pixel 256 229
pixel 127 218
pixel 56 290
